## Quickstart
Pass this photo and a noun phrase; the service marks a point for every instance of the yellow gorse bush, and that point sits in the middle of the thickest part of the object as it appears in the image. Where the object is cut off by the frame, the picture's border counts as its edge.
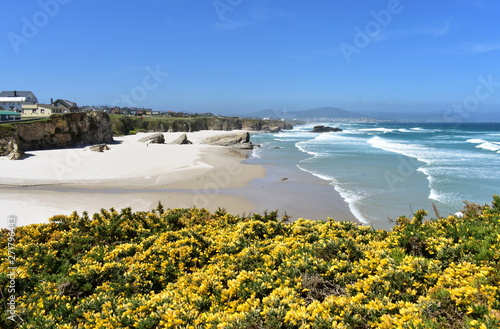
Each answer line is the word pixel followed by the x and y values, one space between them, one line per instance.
pixel 188 268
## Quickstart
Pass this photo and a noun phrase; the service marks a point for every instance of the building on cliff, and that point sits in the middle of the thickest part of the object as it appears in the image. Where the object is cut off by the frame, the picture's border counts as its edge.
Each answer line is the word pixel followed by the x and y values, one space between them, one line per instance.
pixel 9 116
pixel 42 110
pixel 72 107
pixel 15 100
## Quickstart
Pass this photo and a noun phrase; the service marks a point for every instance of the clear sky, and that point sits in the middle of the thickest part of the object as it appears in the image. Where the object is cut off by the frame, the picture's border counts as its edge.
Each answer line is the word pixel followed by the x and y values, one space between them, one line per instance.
pixel 238 56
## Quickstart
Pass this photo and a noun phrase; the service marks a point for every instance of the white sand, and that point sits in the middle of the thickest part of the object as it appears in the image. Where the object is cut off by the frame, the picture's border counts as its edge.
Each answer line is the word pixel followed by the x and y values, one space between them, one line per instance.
pixel 127 158
pixel 60 181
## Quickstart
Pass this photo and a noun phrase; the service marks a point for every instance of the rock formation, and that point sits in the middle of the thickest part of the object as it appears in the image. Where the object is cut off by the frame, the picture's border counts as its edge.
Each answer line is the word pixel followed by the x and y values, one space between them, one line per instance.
pixel 99 148
pixel 157 138
pixel 9 143
pixel 238 140
pixel 181 140
pixel 66 130
pixel 58 131
pixel 124 125
pixel 325 129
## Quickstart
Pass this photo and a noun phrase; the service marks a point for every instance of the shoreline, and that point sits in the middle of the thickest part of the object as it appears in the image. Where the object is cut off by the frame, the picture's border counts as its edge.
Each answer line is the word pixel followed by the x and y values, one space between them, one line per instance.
pixel 204 176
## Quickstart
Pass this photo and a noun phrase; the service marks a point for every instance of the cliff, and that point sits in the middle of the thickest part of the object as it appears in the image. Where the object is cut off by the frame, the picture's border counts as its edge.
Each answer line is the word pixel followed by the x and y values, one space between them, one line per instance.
pixel 125 125
pixel 75 129
pixel 58 131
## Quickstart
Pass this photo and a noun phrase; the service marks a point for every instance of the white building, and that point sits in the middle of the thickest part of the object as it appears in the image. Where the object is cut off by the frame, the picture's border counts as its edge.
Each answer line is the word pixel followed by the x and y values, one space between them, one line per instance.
pixel 14 100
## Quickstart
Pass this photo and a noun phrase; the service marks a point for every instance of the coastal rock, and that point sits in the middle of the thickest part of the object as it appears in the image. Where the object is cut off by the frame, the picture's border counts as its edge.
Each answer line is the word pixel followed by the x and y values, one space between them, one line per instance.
pixel 325 129
pixel 99 148
pixel 123 125
pixel 9 144
pixel 181 140
pixel 58 131
pixel 157 138
pixel 240 141
pixel 243 146
pixel 65 130
pixel 227 139
pixel 274 129
pixel 16 154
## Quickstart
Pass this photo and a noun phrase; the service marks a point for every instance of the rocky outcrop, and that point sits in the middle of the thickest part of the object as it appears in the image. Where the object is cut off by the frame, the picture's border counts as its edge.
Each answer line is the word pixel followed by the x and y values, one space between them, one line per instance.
pixel 65 130
pixel 124 125
pixel 325 129
pixel 273 126
pixel 238 140
pixel 57 131
pixel 181 140
pixel 9 143
pixel 243 146
pixel 157 138
pixel 99 148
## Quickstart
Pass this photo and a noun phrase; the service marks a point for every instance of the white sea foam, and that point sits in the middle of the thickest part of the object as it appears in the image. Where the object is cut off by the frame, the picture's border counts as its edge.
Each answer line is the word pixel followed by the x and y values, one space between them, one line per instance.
pixel 416 151
pixel 382 130
pixel 351 198
pixel 484 144
pixel 301 147
pixel 489 146
pixel 256 152
pixel 476 141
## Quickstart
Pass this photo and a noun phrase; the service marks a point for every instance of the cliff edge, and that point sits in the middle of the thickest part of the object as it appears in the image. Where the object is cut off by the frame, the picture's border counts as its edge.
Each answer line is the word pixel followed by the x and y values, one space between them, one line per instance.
pixel 58 131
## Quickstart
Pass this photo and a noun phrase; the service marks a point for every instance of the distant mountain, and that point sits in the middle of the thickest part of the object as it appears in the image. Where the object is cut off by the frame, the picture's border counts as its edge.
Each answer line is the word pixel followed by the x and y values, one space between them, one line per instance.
pixel 438 116
pixel 407 116
pixel 317 113
pixel 327 112
pixel 273 114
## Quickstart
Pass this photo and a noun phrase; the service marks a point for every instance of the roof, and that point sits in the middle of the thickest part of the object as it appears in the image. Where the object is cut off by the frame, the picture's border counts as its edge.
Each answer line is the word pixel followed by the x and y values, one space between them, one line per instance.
pixel 18 93
pixel 49 106
pixel 65 103
pixel 9 113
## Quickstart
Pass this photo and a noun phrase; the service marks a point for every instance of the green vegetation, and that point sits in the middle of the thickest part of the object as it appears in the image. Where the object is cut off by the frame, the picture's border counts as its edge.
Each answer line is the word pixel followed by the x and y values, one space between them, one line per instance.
pixel 188 268
pixel 126 125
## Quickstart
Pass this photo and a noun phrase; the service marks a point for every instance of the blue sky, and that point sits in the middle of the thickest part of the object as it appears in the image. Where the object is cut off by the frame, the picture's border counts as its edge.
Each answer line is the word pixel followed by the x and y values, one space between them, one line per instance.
pixel 239 56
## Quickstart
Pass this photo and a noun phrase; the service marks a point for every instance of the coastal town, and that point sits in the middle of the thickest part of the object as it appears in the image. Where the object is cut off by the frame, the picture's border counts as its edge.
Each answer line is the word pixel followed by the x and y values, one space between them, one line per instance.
pixel 23 105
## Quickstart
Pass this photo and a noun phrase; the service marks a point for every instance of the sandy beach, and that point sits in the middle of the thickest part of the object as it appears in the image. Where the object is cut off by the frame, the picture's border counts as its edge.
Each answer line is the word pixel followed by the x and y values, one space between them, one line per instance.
pixel 139 175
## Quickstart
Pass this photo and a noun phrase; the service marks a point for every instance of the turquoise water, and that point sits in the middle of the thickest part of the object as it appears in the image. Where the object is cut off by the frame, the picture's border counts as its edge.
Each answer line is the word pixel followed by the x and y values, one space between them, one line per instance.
pixel 385 170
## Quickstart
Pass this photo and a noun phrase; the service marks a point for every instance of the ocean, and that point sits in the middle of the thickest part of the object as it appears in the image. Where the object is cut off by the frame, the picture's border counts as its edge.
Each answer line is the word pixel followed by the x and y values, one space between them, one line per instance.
pixel 387 170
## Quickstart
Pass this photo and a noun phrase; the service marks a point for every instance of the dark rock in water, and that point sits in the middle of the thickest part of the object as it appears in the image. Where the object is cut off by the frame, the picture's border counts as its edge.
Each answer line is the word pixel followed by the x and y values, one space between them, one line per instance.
pixel 99 148
pixel 182 140
pixel 157 138
pixel 325 129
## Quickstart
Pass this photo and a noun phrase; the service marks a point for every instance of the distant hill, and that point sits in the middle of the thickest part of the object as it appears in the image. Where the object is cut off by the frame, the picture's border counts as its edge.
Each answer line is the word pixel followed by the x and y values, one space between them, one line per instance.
pixel 327 112
pixel 437 116
pixel 317 113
